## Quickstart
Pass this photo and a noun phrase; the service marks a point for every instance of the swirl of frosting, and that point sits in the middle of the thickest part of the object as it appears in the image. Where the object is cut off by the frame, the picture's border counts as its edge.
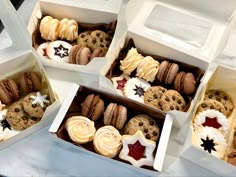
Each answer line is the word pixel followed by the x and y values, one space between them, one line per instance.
pixel 49 28
pixel 131 61
pixel 80 129
pixel 107 141
pixel 68 29
pixel 148 68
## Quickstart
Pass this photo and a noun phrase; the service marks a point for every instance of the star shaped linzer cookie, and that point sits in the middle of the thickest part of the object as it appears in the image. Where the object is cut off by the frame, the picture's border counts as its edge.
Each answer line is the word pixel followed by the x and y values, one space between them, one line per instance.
pixel 208 144
pixel 137 149
pixel 61 51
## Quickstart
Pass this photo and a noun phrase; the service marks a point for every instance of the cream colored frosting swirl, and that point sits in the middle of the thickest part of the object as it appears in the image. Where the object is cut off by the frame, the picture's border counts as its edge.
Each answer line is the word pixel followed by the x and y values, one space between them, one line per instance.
pixel 148 68
pixel 131 61
pixel 80 129
pixel 49 28
pixel 107 141
pixel 68 29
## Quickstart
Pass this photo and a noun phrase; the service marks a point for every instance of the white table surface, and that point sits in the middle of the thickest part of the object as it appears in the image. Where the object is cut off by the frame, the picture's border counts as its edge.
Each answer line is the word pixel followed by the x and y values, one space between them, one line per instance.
pixel 39 155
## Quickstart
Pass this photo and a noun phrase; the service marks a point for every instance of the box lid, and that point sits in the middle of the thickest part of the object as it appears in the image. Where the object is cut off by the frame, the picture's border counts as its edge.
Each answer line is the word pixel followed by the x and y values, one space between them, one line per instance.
pixel 190 27
pixel 15 27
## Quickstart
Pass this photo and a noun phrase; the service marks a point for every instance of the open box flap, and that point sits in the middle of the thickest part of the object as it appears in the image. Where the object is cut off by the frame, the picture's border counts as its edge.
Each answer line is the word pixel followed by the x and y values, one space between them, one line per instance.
pixel 186 27
pixel 103 5
pixel 15 27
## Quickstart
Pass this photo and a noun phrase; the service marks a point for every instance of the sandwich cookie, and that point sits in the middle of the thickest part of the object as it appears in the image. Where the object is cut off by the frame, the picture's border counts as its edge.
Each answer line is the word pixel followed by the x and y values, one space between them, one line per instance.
pixel 79 55
pixel 59 51
pixel 29 82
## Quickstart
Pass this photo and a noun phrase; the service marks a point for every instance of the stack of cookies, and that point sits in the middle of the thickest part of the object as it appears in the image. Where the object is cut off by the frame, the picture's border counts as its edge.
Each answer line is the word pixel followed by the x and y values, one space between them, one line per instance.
pixel 211 123
pixel 68 41
pixel 113 131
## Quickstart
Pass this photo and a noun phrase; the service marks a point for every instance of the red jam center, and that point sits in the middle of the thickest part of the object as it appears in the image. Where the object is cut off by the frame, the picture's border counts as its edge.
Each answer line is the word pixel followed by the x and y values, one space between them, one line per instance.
pixel 136 150
pixel 121 84
pixel 211 122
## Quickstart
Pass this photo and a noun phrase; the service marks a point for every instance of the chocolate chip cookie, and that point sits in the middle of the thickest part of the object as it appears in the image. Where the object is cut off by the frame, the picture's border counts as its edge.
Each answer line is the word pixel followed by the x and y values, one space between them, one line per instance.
pixel 34 110
pixel 221 97
pixel 18 118
pixel 172 100
pixel 146 124
pixel 152 96
pixel 211 104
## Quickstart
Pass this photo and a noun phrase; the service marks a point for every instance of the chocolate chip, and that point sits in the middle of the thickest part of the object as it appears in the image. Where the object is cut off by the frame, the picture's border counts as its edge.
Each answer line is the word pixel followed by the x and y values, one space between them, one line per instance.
pixel 107 38
pixel 17 110
pixel 145 130
pixel 217 92
pixel 172 108
pixel 177 107
pixel 163 90
pixel 225 98
pixel 101 40
pixel 148 136
pixel 212 107
pixel 94 41
pixel 179 101
pixel 82 35
pixel 218 99
pixel 102 45
pixel 151 122
pixel 210 96
pixel 173 97
pixel 155 96
pixel 97 34
pixel 34 118
pixel 24 117
pixel 203 105
pixel 154 133
pixel 167 99
pixel 34 105
pixel 140 123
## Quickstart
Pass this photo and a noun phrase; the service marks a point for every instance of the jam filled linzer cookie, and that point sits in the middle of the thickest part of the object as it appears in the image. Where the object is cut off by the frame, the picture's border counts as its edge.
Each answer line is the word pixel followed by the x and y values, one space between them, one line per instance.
pixel 211 104
pixel 146 124
pixel 152 96
pixel 172 100
pixel 221 97
pixel 18 118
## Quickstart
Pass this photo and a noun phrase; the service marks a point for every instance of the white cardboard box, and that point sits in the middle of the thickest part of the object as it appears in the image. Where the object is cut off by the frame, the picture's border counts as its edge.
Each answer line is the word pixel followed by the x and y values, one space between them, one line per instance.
pixel 190 150
pixel 145 31
pixel 57 125
pixel 18 58
pixel 90 11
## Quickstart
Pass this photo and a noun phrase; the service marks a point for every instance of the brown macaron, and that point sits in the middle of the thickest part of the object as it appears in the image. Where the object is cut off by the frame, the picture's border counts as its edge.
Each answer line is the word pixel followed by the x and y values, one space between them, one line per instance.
pixel 185 83
pixel 115 115
pixel 92 107
pixel 79 55
pixel 29 82
pixel 9 91
pixel 167 72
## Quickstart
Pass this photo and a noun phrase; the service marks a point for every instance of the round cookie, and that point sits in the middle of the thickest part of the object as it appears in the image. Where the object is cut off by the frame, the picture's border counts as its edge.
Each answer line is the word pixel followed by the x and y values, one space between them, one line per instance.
pixel 18 118
pixel 172 100
pixel 95 42
pixel 146 124
pixel 99 34
pixel 34 110
pixel 211 104
pixel 59 51
pixel 222 97
pixel 153 95
pixel 83 38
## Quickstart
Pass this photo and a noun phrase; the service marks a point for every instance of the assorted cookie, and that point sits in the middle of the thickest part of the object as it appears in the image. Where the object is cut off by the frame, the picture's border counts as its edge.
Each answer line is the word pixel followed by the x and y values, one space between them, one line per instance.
pixel 212 122
pixel 153 73
pixel 109 128
pixel 69 41
pixel 21 103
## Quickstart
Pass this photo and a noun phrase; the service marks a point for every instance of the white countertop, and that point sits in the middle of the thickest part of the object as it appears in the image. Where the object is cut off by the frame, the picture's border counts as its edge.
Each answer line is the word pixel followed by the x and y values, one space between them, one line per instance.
pixel 39 155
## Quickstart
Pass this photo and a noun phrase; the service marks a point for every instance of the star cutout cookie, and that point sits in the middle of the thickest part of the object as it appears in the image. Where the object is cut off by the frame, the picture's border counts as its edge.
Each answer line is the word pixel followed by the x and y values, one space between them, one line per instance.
pixel 137 149
pixel 119 82
pixel 39 99
pixel 61 51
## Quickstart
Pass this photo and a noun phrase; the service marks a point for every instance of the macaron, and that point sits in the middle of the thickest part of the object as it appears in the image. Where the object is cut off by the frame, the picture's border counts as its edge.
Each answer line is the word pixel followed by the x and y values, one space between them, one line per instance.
pixel 167 72
pixel 185 83
pixel 115 115
pixel 92 107
pixel 79 55
pixel 59 51
pixel 98 52
pixel 9 91
pixel 29 82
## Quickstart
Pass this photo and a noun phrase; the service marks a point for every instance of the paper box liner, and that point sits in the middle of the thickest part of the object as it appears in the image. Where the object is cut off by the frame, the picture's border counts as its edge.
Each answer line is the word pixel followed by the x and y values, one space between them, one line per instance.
pixel 219 81
pixel 115 71
pixel 12 69
pixel 133 108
